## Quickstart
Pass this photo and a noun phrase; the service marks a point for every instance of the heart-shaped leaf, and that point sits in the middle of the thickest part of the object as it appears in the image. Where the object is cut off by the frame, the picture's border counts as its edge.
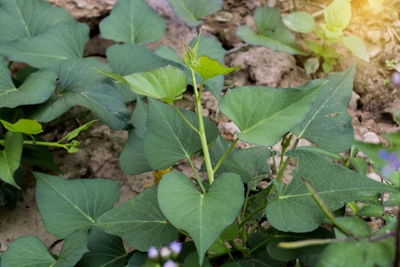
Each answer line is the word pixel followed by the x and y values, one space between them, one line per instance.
pixel 10 157
pixel 20 18
pixel 203 216
pixel 328 124
pixel 209 47
pixel 133 21
pixel 208 68
pixel 295 210
pixel 37 88
pixel 299 22
pixel 104 250
pixel 70 205
pixel 356 46
pixel 81 85
pixel 251 164
pixel 132 160
pixel 264 114
pixel 30 251
pixel 23 126
pixel 166 83
pixel 191 11
pixel 140 222
pixel 168 138
pixel 272 33
pixel 47 50
pixel 126 59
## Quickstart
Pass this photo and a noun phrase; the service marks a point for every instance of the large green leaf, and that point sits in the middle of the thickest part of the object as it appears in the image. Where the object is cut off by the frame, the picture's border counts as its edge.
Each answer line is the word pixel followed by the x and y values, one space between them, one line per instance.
pixel 27 251
pixel 209 47
pixel 191 11
pixel 272 33
pixel 36 89
pixel 132 160
pixel 10 157
pixel 140 222
pixel 295 210
pixel 70 205
pixel 251 164
pixel 356 46
pixel 299 22
pixel 133 21
pixel 104 250
pixel 125 59
pixel 20 18
pixel 168 138
pixel 166 83
pixel 203 216
pixel 83 86
pixel 264 114
pixel 327 124
pixel 30 251
pixel 59 43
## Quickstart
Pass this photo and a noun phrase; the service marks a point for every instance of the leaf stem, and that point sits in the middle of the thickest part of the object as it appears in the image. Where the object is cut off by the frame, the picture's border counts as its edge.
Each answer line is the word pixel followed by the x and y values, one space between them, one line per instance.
pixel 320 202
pixel 283 168
pixel 243 232
pixel 185 119
pixel 39 143
pixel 258 246
pixel 221 160
pixel 196 174
pixel 202 131
pixel 305 243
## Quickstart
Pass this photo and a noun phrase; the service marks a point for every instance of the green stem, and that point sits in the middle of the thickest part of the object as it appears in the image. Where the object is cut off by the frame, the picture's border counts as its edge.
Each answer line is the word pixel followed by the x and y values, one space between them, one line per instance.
pixel 306 243
pixel 221 160
pixel 238 247
pixel 196 174
pixel 325 209
pixel 283 168
pixel 185 119
pixel 253 213
pixel 38 143
pixel 202 131
pixel 258 246
pixel 243 232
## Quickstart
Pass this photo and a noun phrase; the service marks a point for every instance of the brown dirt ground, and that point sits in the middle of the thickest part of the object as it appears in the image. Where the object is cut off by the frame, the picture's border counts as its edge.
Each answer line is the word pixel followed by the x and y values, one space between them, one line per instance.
pixel 371 108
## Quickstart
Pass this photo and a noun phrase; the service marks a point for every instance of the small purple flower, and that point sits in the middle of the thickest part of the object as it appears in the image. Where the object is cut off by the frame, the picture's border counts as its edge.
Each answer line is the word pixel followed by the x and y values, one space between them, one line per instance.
pixel 170 263
pixel 396 79
pixel 176 247
pixel 152 253
pixel 393 162
pixel 165 252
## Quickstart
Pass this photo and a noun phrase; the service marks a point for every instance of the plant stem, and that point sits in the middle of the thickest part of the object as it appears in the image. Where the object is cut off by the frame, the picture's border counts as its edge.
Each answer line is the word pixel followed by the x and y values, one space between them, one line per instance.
pixel 38 143
pixel 305 243
pixel 283 168
pixel 185 119
pixel 258 246
pixel 221 160
pixel 202 131
pixel 253 213
pixel 196 174
pixel 243 232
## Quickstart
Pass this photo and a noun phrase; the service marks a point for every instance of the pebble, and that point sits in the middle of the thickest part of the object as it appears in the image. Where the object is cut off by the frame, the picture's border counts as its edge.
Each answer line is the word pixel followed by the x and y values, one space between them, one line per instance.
pixel 371 137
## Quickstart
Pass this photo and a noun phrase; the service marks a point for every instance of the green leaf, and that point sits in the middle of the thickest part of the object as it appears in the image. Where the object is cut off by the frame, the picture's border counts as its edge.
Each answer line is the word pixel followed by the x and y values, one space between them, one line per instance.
pixel 265 114
pixel 30 251
pixel 207 46
pixel 357 226
pixel 140 222
pixel 168 138
pixel 272 33
pixel 359 164
pixel 27 251
pixel 23 126
pixel 328 124
pixel 251 163
pixel 20 18
pixel 192 260
pixel 70 205
pixel 126 59
pixel 58 44
pixel 10 157
pixel 337 14
pixel 104 250
pixel 166 83
pixel 311 65
pixel 203 216
pixel 372 152
pixel 356 46
pixel 299 22
pixel 371 210
pixel 133 21
pixel 314 46
pixel 83 86
pixel 208 68
pixel 132 160
pixel 37 88
pixel 295 210
pixel 74 133
pixel 393 201
pixel 191 11
pixel 138 259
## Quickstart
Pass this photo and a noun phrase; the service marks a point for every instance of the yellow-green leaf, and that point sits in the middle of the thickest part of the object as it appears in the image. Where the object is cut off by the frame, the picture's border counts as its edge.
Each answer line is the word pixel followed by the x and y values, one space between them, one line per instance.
pixel 24 126
pixel 208 68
